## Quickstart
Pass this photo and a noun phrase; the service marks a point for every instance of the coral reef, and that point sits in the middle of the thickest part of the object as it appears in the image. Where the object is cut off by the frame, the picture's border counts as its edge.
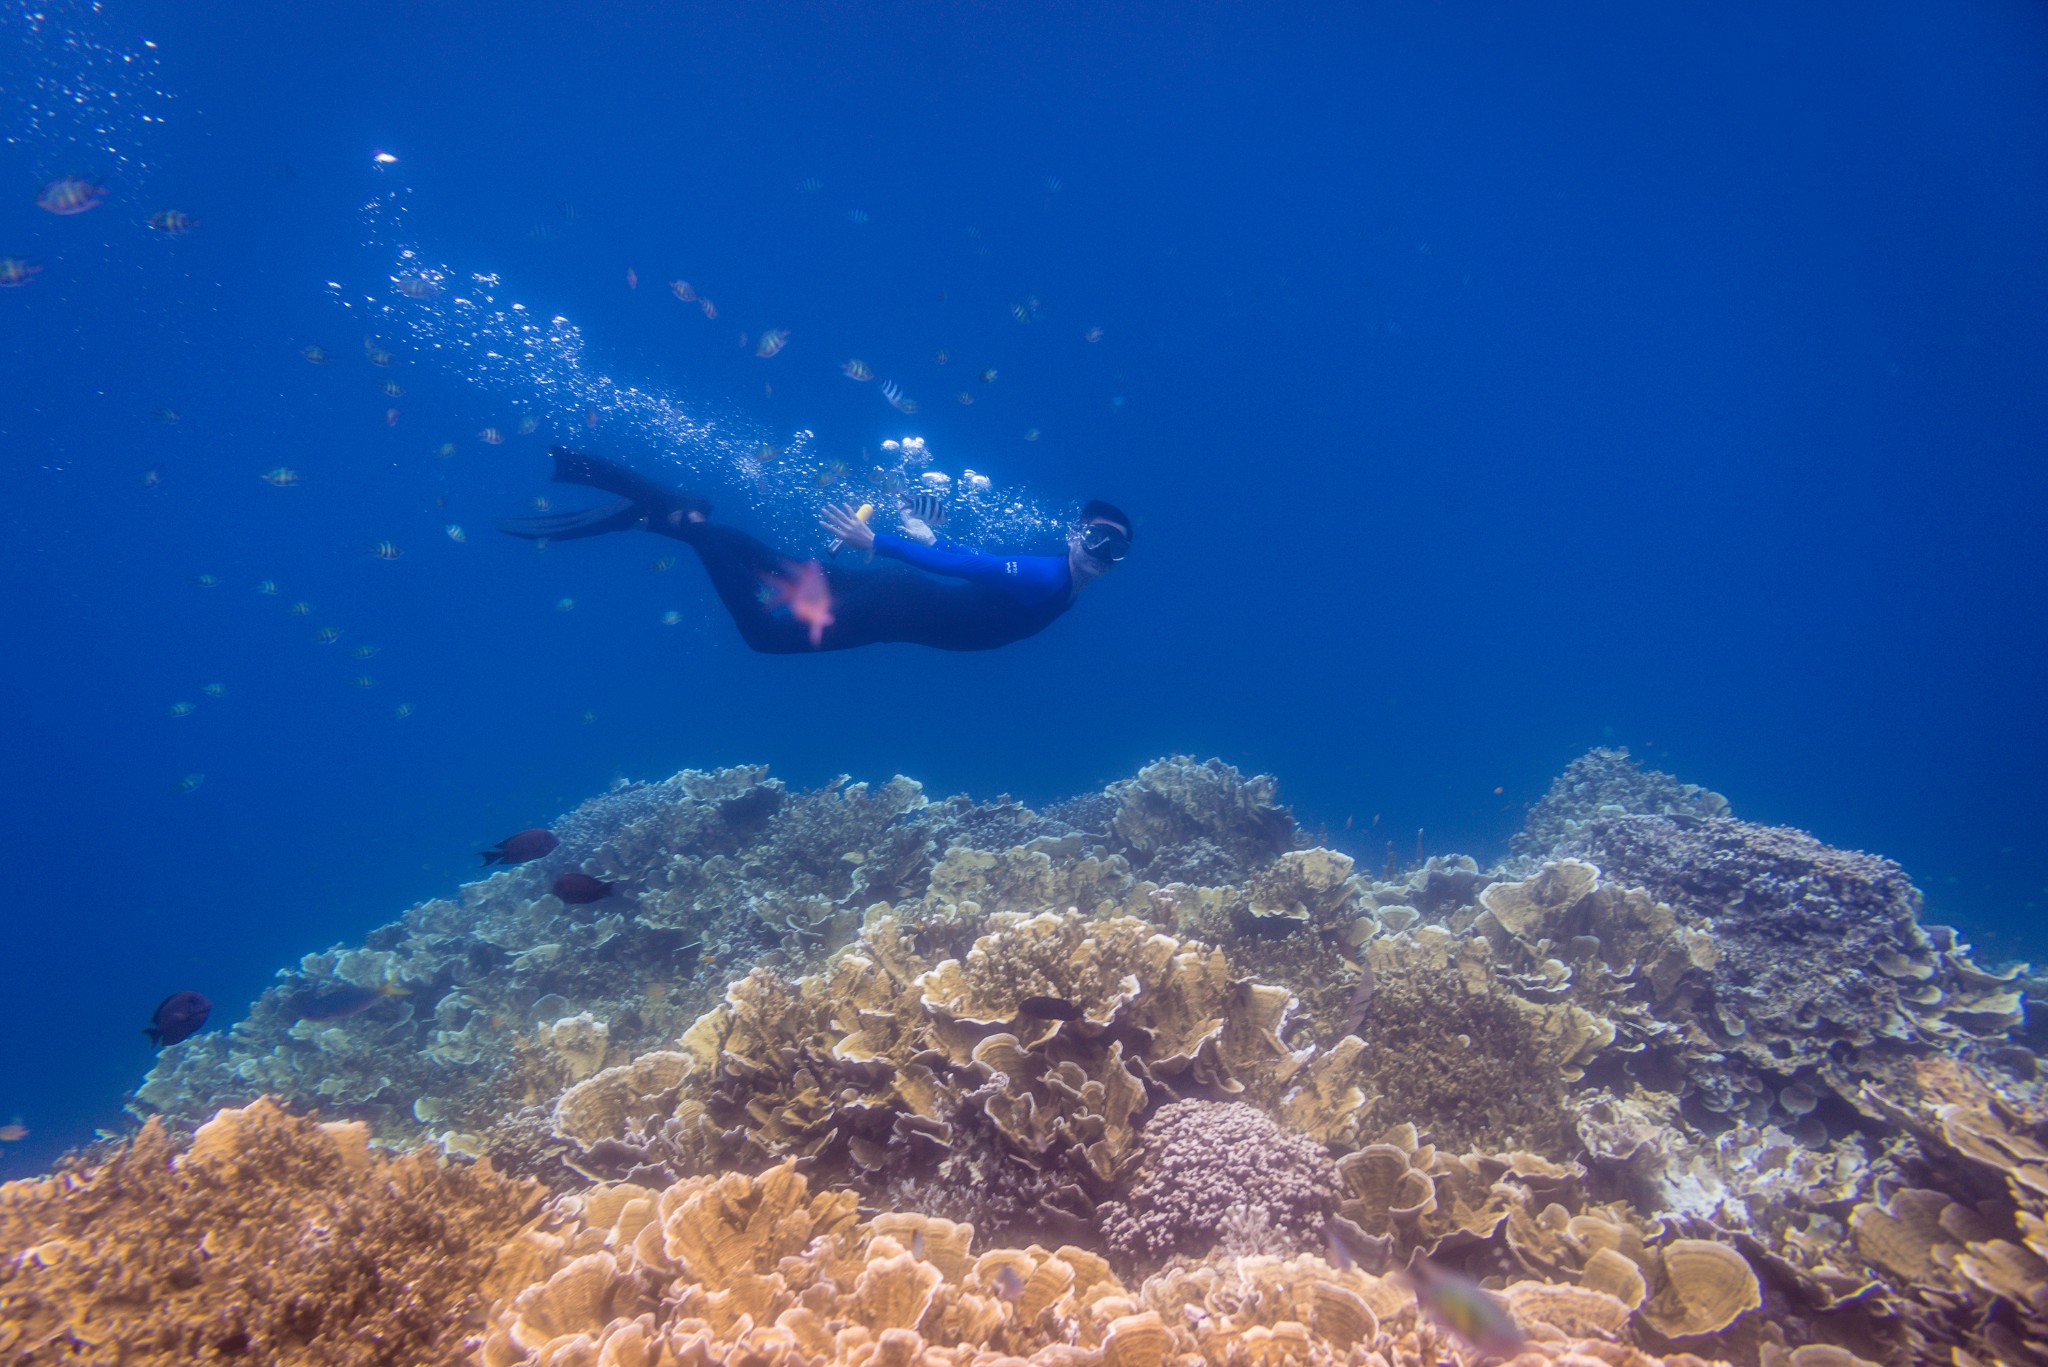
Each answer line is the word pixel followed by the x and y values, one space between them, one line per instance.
pixel 1606 783
pixel 270 1239
pixel 859 1074
pixel 1220 1171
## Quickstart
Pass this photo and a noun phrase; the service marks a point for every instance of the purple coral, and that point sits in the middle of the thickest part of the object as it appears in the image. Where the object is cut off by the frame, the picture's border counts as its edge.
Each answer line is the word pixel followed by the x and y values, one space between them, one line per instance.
pixel 1211 1166
pixel 1802 927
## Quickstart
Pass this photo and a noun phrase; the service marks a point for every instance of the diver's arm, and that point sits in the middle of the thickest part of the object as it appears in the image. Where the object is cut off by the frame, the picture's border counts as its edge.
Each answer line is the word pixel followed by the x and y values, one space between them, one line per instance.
pixel 952 559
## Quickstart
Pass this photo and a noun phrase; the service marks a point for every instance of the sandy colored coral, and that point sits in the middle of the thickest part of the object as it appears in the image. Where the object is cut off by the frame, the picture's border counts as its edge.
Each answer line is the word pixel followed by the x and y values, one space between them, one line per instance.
pixel 272 1238
pixel 796 1283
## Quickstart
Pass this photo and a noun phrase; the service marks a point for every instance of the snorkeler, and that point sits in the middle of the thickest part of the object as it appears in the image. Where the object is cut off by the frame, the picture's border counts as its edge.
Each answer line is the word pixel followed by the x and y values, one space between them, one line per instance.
pixel 945 595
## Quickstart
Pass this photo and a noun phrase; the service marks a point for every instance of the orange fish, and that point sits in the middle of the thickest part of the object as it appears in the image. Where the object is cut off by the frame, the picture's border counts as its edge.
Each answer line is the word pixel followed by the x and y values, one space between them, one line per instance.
pixel 805 592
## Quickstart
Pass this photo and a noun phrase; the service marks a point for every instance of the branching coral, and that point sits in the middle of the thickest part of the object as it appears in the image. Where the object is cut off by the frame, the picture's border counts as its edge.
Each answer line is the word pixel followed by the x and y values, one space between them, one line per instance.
pixel 1208 1164
pixel 272 1239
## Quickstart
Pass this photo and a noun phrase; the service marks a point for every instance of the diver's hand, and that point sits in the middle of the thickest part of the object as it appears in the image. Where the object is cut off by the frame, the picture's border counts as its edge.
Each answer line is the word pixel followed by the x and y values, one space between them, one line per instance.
pixel 839 520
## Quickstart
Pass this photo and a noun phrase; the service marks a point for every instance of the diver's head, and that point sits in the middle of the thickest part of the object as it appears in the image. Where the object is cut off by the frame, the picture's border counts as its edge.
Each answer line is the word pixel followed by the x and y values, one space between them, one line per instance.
pixel 1098 542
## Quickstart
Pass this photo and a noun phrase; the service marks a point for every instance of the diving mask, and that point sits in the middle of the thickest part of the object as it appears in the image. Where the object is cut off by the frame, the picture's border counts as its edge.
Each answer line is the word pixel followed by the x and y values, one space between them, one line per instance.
pixel 1103 542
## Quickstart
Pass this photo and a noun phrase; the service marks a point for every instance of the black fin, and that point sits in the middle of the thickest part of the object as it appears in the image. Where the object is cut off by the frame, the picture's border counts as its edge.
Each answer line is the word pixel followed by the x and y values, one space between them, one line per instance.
pixel 608 517
pixel 596 472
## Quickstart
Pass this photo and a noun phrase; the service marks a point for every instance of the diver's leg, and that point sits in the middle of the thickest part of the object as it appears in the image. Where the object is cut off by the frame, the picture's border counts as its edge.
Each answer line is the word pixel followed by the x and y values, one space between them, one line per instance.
pixel 739 566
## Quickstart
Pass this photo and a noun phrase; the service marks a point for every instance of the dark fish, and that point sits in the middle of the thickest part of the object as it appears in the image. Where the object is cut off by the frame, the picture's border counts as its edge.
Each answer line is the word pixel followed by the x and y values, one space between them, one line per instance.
pixel 339 1003
pixel 177 1017
pixel 521 847
pixel 1361 1000
pixel 926 506
pixel 579 889
pixel 1050 1008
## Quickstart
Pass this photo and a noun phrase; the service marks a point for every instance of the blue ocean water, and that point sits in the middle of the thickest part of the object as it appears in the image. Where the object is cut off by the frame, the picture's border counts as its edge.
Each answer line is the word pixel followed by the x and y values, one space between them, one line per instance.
pixel 1487 383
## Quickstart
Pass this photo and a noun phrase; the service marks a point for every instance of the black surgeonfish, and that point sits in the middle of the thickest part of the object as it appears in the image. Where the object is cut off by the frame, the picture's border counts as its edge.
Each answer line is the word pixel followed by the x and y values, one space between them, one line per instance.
pixel 177 1017
pixel 521 847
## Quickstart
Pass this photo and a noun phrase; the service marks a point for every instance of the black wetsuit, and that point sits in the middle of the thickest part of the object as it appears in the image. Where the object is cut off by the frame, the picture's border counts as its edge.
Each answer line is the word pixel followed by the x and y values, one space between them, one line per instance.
pixel 987 601
pixel 984 601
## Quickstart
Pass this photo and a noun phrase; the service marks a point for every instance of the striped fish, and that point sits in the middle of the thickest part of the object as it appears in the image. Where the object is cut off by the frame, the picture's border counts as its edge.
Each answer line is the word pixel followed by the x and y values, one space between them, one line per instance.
pixel 927 507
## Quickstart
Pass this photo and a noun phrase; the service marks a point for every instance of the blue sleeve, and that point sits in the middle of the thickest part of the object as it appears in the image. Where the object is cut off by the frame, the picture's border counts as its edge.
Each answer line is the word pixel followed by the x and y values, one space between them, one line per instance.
pixel 1030 578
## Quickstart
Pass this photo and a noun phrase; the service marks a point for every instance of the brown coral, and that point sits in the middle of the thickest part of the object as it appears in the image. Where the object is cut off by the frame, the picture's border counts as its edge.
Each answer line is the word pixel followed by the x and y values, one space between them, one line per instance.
pixel 273 1239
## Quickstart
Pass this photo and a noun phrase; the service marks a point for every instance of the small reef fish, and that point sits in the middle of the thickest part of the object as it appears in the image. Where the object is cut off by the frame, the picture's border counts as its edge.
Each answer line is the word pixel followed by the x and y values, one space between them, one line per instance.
pixel 710 309
pixel 540 505
pixel 964 397
pixel 810 185
pixel 391 417
pixel 283 477
pixel 267 586
pixel 521 847
pixel 893 392
pixel 190 783
pixel 989 376
pixel 150 479
pixel 772 341
pixel 339 1003
pixel 177 1017
pixel 1092 335
pixel 69 195
pixel 365 651
pixel 402 711
pixel 927 507
pixel 1020 313
pixel 1031 434
pixel 171 223
pixel 302 608
pixel 455 533
pixel 856 216
pixel 580 889
pixel 180 709
pixel 362 681
pixel 683 290
pixel 940 357
pixel 855 370
pixel 167 416
pixel 590 418
pixel 417 285
pixel 632 278
pixel 565 605
pixel 317 355
pixel 393 388
pixel 491 436
pixel 671 618
pixel 327 636
pixel 13 1132
pixel 1465 1308
pixel 666 562
pixel 528 425
pixel 15 271
pixel 385 550
pixel 588 717
pixel 214 690
pixel 375 354
pixel 206 581
pixel 805 593
pixel 445 450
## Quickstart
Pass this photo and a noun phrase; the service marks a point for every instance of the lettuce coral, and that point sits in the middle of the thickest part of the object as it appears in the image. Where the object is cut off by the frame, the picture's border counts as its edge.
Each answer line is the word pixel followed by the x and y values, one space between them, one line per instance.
pixel 271 1239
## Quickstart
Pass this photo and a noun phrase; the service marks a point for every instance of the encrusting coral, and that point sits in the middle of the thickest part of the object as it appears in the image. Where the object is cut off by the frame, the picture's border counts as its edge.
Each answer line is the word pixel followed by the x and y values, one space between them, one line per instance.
pixel 1665 1082
pixel 272 1239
